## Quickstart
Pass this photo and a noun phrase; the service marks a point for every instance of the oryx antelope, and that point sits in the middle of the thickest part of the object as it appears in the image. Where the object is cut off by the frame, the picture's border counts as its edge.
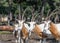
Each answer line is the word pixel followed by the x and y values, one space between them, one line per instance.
pixel 17 30
pixel 54 29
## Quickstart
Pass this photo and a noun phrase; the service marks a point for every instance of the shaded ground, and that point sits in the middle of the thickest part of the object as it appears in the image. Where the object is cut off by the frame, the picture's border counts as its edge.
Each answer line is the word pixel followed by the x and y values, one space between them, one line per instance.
pixel 8 38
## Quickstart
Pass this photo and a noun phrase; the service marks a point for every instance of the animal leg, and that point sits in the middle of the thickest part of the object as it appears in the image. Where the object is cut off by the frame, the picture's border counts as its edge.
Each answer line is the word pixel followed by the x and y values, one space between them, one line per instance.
pixel 29 34
pixel 16 40
pixel 22 41
pixel 40 41
pixel 19 38
pixel 26 41
pixel 59 41
pixel 44 40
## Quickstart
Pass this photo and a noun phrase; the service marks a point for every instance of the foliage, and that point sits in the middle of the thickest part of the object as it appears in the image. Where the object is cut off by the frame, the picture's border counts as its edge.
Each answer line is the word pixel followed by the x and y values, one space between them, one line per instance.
pixel 5 7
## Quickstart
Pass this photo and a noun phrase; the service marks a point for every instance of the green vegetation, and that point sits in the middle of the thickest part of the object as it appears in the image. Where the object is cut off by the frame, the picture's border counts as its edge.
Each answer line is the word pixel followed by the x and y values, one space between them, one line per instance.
pixel 5 32
pixel 17 7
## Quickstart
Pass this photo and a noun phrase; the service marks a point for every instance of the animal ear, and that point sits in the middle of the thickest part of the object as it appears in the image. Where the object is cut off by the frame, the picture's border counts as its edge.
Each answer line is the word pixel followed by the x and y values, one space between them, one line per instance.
pixel 29 22
pixel 18 21
pixel 34 22
pixel 23 20
pixel 49 21
pixel 16 25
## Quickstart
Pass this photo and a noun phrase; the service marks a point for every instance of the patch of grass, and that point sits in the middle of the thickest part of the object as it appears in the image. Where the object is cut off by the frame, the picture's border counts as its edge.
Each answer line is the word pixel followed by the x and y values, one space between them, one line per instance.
pixel 5 32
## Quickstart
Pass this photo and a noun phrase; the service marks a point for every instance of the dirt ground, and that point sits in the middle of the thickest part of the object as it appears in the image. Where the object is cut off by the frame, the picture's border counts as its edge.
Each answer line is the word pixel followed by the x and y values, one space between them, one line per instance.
pixel 9 38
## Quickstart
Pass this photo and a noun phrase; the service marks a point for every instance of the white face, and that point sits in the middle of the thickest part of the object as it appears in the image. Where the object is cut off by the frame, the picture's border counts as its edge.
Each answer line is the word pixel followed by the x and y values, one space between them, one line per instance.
pixel 47 24
pixel 20 23
pixel 32 25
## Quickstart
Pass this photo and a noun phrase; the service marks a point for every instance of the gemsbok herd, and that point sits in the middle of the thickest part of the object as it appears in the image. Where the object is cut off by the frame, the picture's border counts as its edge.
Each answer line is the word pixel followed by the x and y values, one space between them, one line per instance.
pixel 23 30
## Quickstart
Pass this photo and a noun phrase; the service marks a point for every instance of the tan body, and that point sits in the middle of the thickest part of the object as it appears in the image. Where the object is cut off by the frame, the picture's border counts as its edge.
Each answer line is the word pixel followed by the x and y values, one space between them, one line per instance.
pixel 54 31
pixel 39 32
pixel 24 32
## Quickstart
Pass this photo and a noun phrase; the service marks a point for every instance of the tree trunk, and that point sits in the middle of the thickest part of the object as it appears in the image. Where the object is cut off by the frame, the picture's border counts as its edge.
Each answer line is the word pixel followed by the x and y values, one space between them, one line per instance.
pixel 10 6
pixel 10 13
